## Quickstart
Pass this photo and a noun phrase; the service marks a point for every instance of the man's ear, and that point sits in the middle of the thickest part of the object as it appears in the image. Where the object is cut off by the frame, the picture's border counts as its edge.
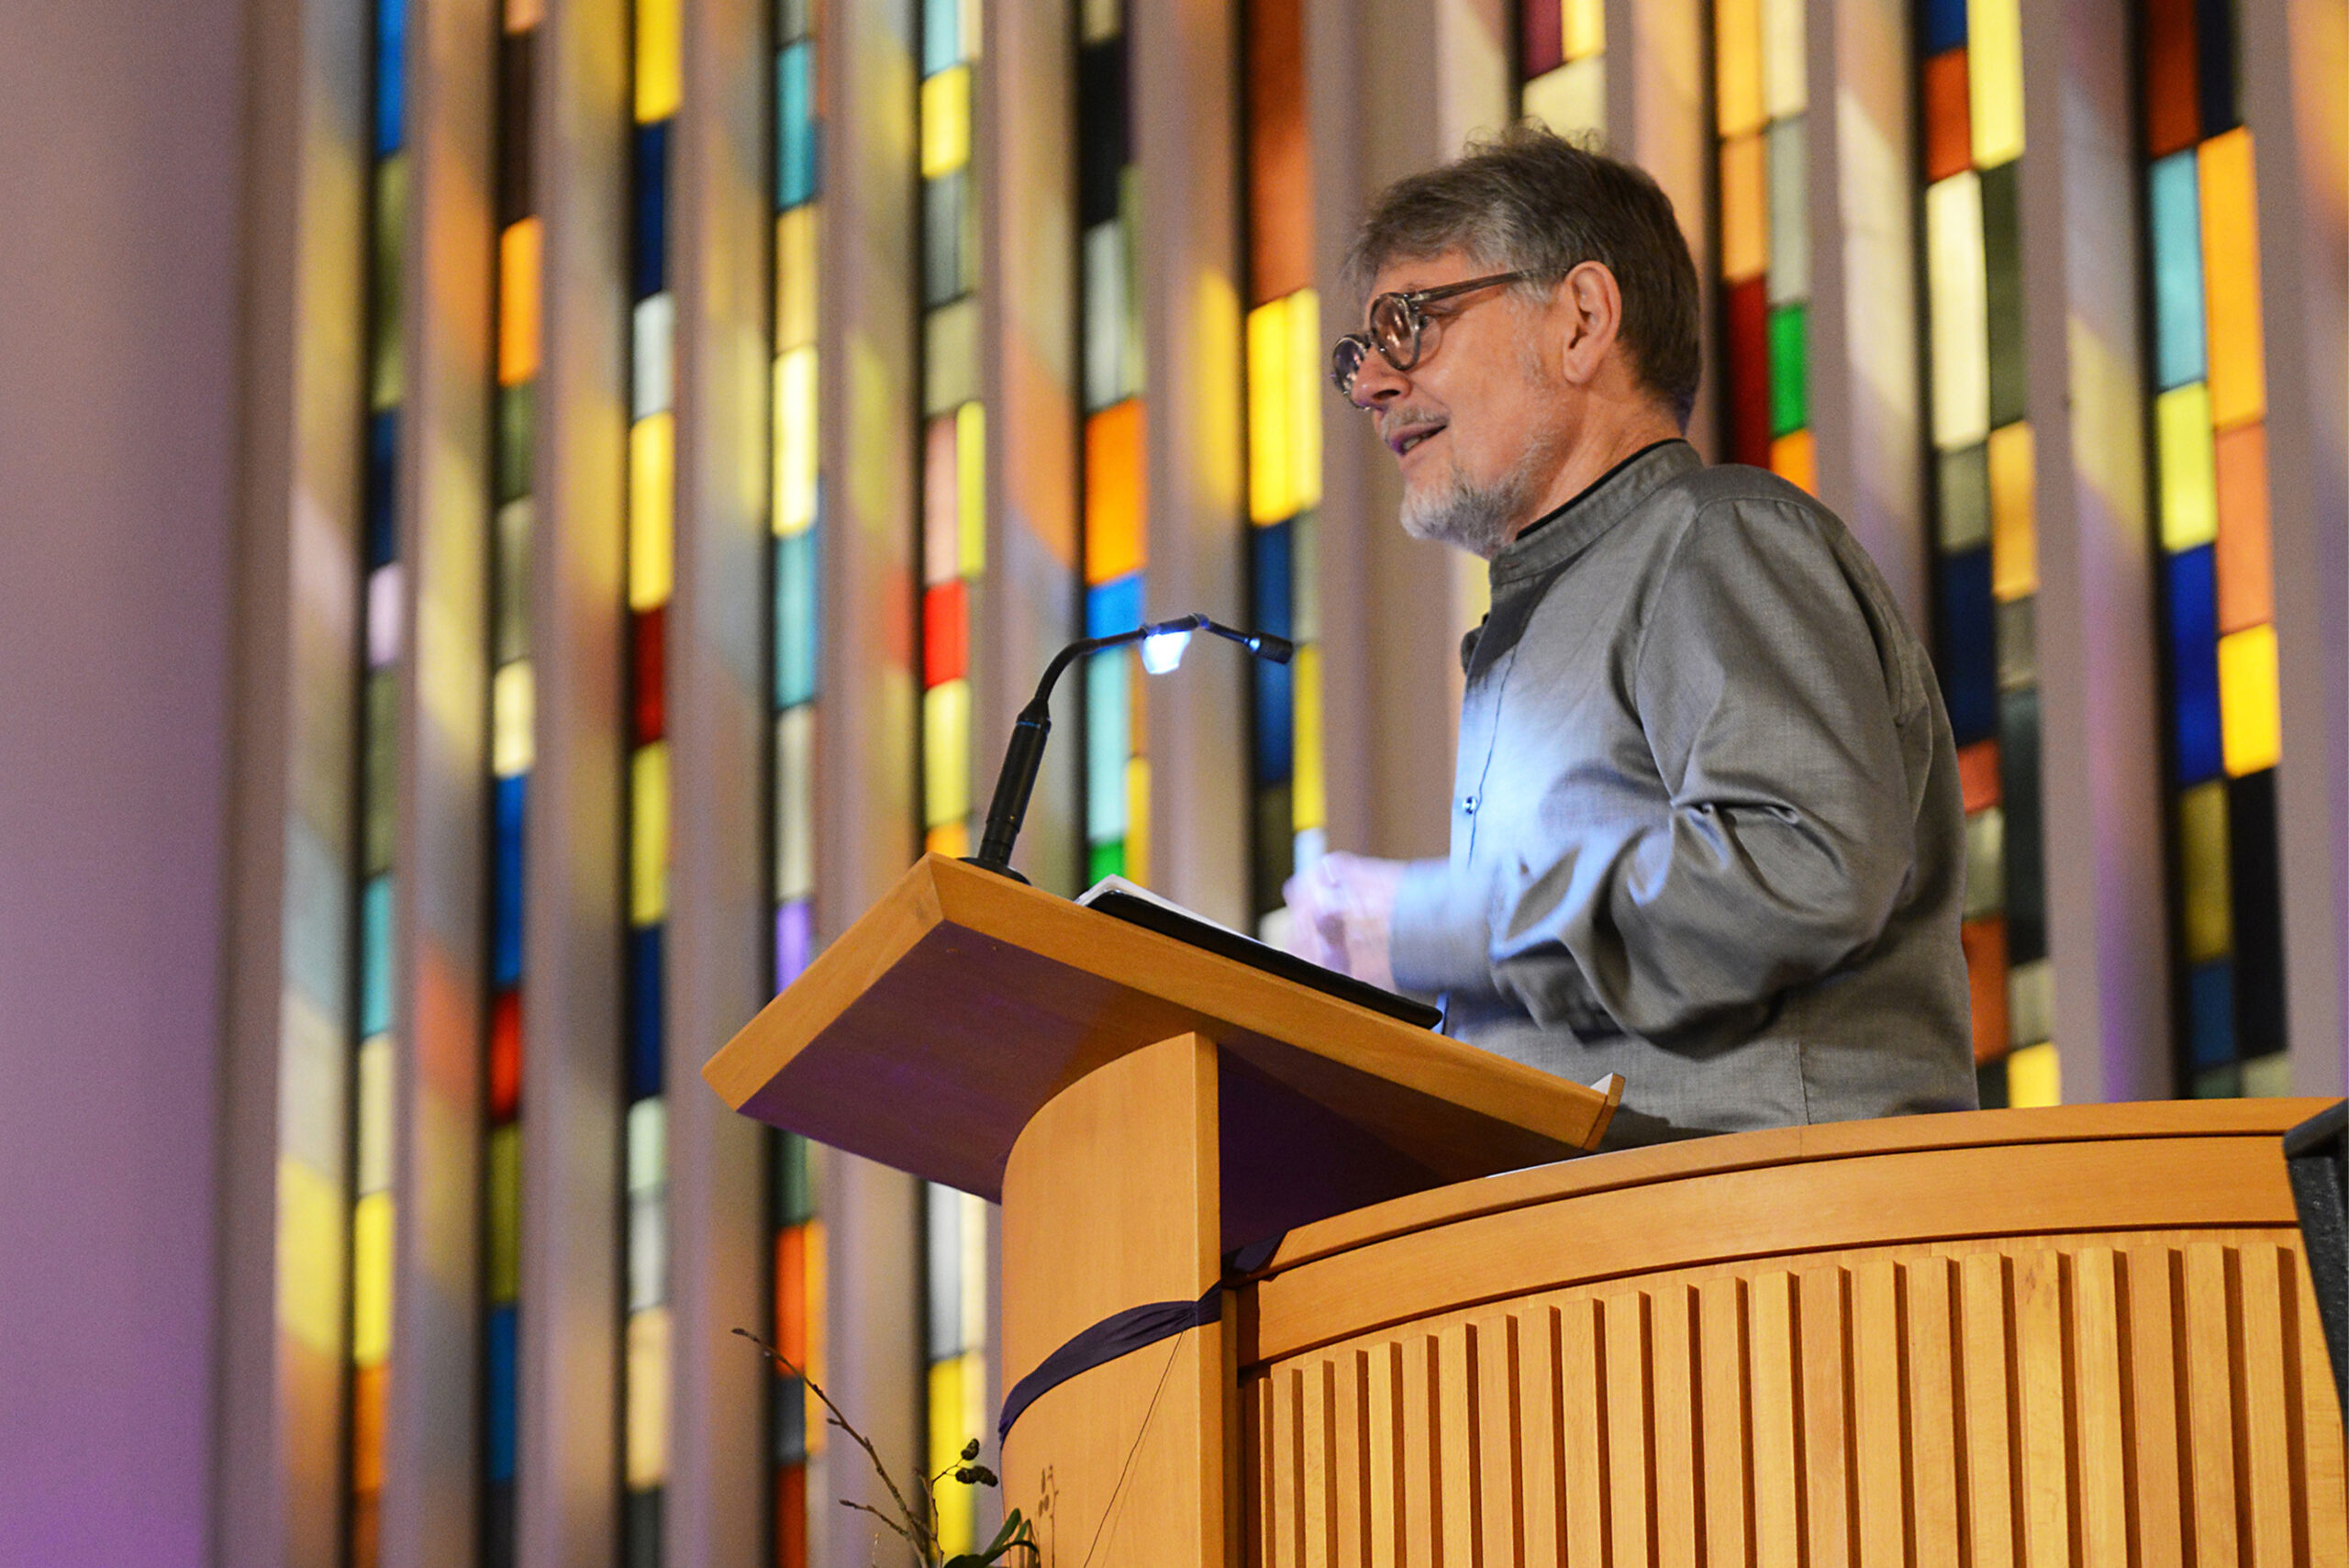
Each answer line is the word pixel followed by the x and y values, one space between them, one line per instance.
pixel 1592 303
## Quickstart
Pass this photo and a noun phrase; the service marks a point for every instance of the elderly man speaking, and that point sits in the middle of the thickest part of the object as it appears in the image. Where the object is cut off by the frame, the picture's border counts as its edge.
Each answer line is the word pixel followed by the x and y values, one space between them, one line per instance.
pixel 1705 826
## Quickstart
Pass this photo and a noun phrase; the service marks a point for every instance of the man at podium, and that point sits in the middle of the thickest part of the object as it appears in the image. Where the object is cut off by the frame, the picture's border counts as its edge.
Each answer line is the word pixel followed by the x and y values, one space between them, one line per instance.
pixel 1707 829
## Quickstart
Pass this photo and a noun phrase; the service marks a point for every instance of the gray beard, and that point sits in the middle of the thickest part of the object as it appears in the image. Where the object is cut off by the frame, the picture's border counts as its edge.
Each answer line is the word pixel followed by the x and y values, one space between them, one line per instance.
pixel 1479 518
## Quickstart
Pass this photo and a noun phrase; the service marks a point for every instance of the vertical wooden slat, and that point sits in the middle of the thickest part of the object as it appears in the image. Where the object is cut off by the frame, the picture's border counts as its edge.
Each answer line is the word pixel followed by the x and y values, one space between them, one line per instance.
pixel 1317 1461
pixel 1932 1412
pixel 1282 1535
pixel 1679 1532
pixel 1500 1510
pixel 1256 1462
pixel 2099 1368
pixel 1776 1420
pixel 2046 1409
pixel 2155 1396
pixel 1985 1375
pixel 1582 1393
pixel 1385 1396
pixel 2207 1366
pixel 2321 1433
pixel 1824 1323
pixel 1629 1471
pixel 1542 1430
pixel 1423 1455
pixel 2263 1398
pixel 1350 1443
pixel 1882 1447
pixel 1456 1423
pixel 1729 1492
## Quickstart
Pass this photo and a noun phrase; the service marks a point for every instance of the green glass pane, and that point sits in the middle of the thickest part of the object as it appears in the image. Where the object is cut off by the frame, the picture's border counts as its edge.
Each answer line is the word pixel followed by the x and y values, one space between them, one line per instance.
pixel 512 592
pixel 385 295
pixel 2017 632
pixel 943 259
pixel 2003 268
pixel 1962 513
pixel 1105 860
pixel 1789 395
pixel 795 1191
pixel 516 419
pixel 383 769
pixel 795 618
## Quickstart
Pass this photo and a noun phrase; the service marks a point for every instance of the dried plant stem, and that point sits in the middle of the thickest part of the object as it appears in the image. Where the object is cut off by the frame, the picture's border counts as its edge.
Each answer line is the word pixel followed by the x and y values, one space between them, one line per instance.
pixel 926 1543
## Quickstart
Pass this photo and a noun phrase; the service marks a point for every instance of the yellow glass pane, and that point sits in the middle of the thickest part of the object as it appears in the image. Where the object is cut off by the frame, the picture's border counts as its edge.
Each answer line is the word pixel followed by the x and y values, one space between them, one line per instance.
pixel 2030 1003
pixel 795 805
pixel 957 1505
pixel 795 441
pixel 1582 26
pixel 651 501
pixel 2231 280
pixel 951 347
pixel 512 707
pixel 370 1280
pixel 375 1095
pixel 648 838
pixel 2014 543
pixel 387 354
pixel 1138 813
pixel 1571 100
pixel 2250 724
pixel 971 486
pixel 517 303
pixel 1746 208
pixel 521 16
pixel 1737 66
pixel 1271 489
pixel 2187 476
pixel 1994 79
pixel 975 1307
pixel 1784 91
pixel 813 1288
pixel 1305 360
pixel 946 122
pixel 504 1158
pixel 659 80
pixel 968 27
pixel 2206 906
pixel 946 753
pixel 1794 457
pixel 1099 20
pixel 2269 1077
pixel 647 1437
pixel 1957 295
pixel 794 277
pixel 2033 1077
pixel 1308 804
pixel 309 1256
pixel 952 839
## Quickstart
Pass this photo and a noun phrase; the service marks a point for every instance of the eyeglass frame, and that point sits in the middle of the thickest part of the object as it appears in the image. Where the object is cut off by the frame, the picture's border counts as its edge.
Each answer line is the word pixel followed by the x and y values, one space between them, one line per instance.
pixel 1344 380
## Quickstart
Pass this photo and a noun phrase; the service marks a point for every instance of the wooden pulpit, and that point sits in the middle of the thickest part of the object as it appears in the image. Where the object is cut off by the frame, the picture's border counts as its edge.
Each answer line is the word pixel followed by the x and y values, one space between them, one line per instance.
pixel 1141 1107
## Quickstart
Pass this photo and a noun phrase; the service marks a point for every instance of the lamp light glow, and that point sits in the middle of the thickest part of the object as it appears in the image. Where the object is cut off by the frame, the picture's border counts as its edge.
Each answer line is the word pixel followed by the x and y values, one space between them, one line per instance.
pixel 1162 651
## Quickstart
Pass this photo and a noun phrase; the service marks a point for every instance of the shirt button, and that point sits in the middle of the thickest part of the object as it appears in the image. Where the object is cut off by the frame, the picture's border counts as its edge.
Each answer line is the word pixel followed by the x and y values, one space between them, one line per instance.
pixel 1469 805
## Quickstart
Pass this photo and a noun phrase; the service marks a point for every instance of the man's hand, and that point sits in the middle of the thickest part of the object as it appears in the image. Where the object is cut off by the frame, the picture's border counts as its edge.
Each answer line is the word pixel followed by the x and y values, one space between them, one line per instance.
pixel 1340 912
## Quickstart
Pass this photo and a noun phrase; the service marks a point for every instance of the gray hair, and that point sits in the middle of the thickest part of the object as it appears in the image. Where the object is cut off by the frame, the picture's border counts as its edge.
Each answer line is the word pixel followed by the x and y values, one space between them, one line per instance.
pixel 1531 201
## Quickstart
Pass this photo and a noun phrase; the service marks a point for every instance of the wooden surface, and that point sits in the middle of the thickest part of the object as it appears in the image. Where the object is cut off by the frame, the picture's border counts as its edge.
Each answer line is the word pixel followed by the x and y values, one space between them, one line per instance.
pixel 1110 1201
pixel 2011 1338
pixel 930 1032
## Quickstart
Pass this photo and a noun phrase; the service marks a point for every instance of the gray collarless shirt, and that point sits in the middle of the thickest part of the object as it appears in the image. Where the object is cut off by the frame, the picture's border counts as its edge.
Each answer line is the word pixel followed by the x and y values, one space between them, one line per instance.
pixel 1706 823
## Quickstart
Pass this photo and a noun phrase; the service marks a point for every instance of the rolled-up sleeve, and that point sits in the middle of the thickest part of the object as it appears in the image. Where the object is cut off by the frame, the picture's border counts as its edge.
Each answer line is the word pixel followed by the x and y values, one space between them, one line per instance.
pixel 1789 834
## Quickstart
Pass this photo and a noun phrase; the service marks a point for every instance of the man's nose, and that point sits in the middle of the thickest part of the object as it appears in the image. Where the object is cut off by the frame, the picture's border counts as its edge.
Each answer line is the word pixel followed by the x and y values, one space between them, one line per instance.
pixel 1376 383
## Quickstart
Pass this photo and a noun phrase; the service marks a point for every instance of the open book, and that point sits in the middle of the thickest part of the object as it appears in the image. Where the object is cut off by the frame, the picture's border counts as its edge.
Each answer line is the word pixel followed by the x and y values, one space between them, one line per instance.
pixel 1123 900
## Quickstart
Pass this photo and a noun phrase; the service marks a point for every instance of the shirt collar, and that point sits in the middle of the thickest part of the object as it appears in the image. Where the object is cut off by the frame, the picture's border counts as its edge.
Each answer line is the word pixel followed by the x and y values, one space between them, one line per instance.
pixel 1557 537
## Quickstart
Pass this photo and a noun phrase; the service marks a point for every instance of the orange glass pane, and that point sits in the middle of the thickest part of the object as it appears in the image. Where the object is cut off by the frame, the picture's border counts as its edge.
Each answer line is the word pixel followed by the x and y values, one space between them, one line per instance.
pixel 1280 196
pixel 1746 208
pixel 1949 129
pixel 952 839
pixel 1114 494
pixel 1984 942
pixel 367 1428
pixel 2231 280
pixel 791 1294
pixel 1977 775
pixel 1795 458
pixel 2173 113
pixel 2014 542
pixel 517 303
pixel 2247 566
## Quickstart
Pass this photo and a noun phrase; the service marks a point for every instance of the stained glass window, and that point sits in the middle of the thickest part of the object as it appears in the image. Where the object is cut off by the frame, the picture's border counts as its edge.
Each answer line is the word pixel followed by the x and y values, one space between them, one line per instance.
pixel 1759 107
pixel 1284 388
pixel 512 710
pixel 2221 717
pixel 1562 65
pixel 650 503
pixel 378 739
pixel 1986 553
pixel 1115 498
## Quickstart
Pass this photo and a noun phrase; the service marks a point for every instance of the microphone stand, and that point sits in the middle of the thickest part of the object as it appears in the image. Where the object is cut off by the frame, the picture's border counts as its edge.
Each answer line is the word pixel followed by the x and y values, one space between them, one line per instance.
pixel 1025 756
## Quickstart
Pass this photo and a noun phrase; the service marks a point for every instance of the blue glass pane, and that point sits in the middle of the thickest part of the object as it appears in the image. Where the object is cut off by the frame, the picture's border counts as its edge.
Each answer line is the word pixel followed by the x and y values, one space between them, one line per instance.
pixel 1969 649
pixel 1941 24
pixel 383 454
pixel 1105 747
pixel 795 618
pixel 2174 214
pixel 790 1422
pixel 649 230
pixel 2211 1014
pixel 1114 606
pixel 505 885
pixel 643 1012
pixel 503 1393
pixel 375 957
pixel 795 125
pixel 391 75
pixel 1275 723
pixel 1272 560
pixel 2193 610
pixel 941 36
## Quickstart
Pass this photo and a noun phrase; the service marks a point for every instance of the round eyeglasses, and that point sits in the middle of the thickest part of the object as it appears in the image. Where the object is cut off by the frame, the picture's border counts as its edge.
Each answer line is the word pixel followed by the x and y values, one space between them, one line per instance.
pixel 1396 325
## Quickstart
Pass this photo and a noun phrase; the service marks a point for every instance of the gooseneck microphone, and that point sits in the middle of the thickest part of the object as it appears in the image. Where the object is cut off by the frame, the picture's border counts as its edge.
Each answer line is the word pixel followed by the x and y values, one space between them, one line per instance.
pixel 1162 644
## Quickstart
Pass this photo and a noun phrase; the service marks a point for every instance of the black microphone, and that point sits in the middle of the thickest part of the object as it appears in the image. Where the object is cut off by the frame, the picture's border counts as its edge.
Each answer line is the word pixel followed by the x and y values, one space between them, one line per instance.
pixel 1162 649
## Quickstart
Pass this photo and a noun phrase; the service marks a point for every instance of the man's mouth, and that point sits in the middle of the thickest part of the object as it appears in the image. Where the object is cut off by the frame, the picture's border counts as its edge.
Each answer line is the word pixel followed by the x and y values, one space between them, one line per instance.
pixel 1403 440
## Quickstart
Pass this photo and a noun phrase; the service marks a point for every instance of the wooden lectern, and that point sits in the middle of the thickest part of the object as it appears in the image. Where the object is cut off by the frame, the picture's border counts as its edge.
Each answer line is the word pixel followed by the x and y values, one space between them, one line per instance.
pixel 1139 1108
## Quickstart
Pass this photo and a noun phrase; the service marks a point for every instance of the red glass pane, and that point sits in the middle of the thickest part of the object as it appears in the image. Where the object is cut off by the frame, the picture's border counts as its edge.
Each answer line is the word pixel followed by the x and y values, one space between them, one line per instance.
pixel 505 1056
pixel 1280 194
pixel 1542 35
pixel 2173 116
pixel 1977 775
pixel 945 633
pixel 649 634
pixel 1949 125
pixel 1984 942
pixel 1748 353
pixel 791 1517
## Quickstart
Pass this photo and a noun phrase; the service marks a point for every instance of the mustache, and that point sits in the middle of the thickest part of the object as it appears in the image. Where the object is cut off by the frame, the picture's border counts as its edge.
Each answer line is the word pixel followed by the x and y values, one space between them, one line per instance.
pixel 1397 417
